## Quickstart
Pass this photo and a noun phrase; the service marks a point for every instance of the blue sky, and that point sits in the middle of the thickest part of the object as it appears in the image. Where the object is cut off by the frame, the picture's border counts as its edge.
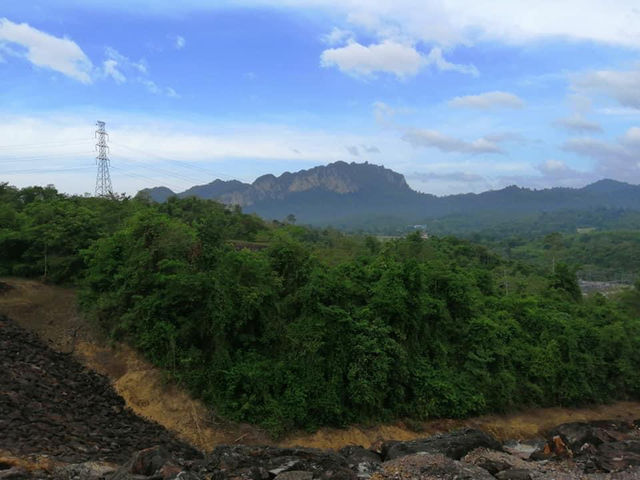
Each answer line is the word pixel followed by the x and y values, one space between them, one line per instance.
pixel 457 96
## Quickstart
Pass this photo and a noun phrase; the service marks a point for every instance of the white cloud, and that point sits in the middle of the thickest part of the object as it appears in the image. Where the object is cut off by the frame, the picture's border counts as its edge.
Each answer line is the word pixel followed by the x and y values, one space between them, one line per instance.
pixel 622 85
pixel 384 113
pixel 140 143
pixel 121 68
pixel 461 22
pixel 436 59
pixel 140 66
pixel 337 36
pixel 488 100
pixel 434 139
pixel 619 159
pixel 578 123
pixel 388 57
pixel 180 42
pixel 47 51
pixel 557 169
pixel 455 22
pixel 110 68
pixel 463 177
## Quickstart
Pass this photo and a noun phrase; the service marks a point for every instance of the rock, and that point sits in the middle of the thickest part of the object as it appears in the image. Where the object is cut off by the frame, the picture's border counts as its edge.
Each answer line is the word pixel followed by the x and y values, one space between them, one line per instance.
pixel 522 450
pixel 454 445
pixel 148 461
pixel 14 473
pixel 576 434
pixel 51 404
pixel 248 462
pixel 294 475
pixel 617 456
pixel 493 461
pixel 87 470
pixel 362 461
pixel 514 474
pixel 429 466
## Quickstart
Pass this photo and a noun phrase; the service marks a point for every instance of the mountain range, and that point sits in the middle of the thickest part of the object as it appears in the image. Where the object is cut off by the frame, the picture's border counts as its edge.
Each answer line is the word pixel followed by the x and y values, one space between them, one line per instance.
pixel 353 194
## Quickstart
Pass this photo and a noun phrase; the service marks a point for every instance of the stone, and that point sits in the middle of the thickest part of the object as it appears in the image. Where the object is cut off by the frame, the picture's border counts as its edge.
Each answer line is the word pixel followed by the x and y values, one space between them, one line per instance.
pixel 14 473
pixel 429 466
pixel 576 434
pixel 148 461
pixel 88 470
pixel 294 475
pixel 454 445
pixel 514 474
pixel 493 461
pixel 362 461
pixel 618 456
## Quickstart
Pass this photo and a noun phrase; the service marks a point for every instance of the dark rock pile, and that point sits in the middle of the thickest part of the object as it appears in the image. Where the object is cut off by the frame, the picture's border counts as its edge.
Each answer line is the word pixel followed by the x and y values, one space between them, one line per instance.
pixel 52 405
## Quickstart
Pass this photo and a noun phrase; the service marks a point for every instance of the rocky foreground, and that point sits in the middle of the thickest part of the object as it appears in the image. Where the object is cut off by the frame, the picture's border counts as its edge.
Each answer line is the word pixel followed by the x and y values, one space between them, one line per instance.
pixel 59 420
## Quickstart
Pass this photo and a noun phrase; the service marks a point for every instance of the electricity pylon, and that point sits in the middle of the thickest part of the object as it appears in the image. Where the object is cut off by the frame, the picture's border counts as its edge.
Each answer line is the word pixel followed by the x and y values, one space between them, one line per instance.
pixel 103 179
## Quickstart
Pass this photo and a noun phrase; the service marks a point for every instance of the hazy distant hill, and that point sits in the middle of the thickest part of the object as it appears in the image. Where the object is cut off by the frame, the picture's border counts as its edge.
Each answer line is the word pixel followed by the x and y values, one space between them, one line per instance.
pixel 361 194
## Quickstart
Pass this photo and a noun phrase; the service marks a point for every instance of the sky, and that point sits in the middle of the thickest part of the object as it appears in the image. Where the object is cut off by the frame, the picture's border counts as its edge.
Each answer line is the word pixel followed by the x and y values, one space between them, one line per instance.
pixel 458 96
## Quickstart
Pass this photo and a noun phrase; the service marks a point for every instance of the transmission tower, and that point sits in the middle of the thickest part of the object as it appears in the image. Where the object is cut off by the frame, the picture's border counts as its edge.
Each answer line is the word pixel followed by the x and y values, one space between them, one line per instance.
pixel 103 179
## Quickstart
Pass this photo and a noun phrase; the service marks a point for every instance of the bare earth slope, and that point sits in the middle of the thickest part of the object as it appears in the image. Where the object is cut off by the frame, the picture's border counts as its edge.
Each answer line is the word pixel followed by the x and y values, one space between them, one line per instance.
pixel 51 313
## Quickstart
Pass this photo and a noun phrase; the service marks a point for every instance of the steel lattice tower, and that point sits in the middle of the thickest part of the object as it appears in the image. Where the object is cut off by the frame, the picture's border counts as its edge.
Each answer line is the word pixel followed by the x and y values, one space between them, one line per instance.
pixel 103 179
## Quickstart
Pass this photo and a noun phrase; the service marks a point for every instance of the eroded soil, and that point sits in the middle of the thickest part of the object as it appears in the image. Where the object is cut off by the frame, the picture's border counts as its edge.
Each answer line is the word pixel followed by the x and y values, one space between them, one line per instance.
pixel 51 313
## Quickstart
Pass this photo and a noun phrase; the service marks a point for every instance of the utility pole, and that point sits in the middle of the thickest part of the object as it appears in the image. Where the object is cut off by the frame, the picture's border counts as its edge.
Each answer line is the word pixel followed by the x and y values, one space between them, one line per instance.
pixel 103 179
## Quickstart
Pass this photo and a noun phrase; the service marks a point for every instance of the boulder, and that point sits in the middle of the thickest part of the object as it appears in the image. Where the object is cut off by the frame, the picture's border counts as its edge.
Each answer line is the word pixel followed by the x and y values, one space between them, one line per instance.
pixel 262 463
pixel 14 473
pixel 618 456
pixel 493 461
pixel 362 461
pixel 87 470
pixel 429 466
pixel 294 475
pixel 576 434
pixel 454 445
pixel 514 474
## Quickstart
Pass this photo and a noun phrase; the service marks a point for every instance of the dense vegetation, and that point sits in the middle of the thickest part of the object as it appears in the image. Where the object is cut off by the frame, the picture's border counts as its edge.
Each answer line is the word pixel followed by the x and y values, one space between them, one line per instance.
pixel 289 327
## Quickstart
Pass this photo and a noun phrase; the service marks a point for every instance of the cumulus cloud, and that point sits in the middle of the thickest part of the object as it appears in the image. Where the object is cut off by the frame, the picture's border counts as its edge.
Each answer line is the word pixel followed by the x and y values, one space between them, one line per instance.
pixel 619 159
pixel 579 124
pixel 389 56
pixel 624 86
pixel 445 143
pixel 180 42
pixel 47 51
pixel 488 100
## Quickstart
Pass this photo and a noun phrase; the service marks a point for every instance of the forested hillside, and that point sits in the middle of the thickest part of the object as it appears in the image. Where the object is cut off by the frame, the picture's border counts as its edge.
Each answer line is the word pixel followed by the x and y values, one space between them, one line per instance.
pixel 286 326
pixel 365 197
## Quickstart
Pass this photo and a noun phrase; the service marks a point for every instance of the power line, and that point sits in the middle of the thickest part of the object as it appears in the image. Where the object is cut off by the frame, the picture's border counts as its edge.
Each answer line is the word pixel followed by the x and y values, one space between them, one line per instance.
pixel 174 161
pixel 30 145
pixel 44 170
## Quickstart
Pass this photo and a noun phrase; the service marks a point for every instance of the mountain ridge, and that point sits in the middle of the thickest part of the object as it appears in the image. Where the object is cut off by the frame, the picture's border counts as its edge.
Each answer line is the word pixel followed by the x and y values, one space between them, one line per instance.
pixel 330 194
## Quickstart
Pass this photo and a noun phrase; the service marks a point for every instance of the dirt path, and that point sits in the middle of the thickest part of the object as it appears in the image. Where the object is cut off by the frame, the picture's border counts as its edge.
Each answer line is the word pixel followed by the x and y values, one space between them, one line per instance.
pixel 51 312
